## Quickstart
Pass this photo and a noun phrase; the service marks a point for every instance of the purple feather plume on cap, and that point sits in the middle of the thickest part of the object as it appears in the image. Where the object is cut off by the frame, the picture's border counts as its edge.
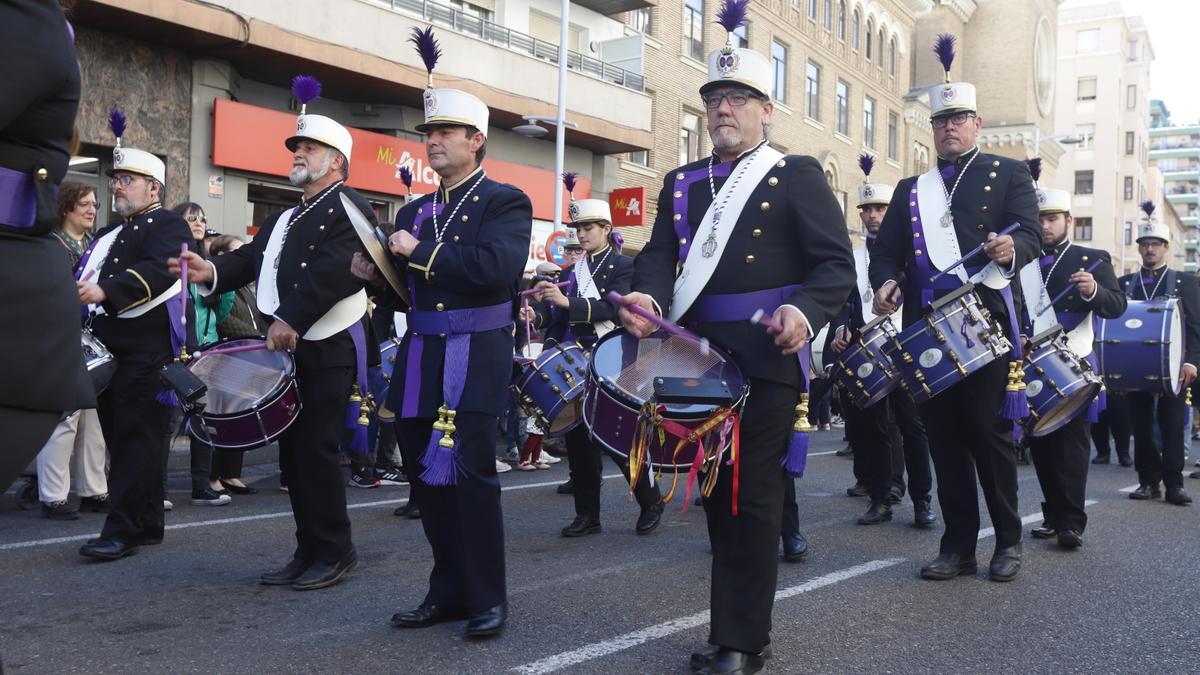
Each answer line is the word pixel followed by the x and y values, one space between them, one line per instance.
pixel 116 122
pixel 732 14
pixel 1148 207
pixel 306 88
pixel 406 177
pixel 427 47
pixel 568 179
pixel 866 162
pixel 617 239
pixel 1035 167
pixel 943 46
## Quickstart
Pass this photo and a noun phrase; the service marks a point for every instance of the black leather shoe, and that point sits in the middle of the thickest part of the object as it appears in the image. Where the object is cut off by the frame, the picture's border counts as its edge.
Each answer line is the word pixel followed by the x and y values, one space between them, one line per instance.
pixel 705 656
pixel 896 494
pixel 1101 460
pixel 923 516
pixel 726 661
pixel 1144 492
pixel 1006 562
pixel 287 575
pixel 322 574
pixel 486 624
pixel 1178 497
pixel 949 565
pixel 1070 539
pixel 1044 532
pixel 795 547
pixel 107 549
pixel 845 452
pixel 425 616
pixel 409 510
pixel 1194 474
pixel 650 518
pixel 880 511
pixel 60 510
pixel 98 504
pixel 1125 461
pixel 582 526
pixel 567 488
pixel 857 490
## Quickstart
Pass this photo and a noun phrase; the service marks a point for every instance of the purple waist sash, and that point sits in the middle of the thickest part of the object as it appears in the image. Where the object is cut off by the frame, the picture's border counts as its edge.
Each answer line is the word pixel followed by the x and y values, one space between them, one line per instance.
pixel 731 307
pixel 18 199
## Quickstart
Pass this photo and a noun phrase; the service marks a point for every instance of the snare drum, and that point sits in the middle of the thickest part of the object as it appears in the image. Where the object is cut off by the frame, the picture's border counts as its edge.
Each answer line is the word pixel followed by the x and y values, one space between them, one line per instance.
pixel 100 362
pixel 252 396
pixel 956 338
pixel 863 370
pixel 621 381
pixel 1058 384
pixel 550 387
pixel 1142 350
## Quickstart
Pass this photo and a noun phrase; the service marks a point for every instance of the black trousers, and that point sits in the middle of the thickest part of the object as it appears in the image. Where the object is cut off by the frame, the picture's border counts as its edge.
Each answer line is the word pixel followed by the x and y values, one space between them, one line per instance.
pixel 1061 461
pixel 135 430
pixel 583 456
pixel 791 510
pixel 745 546
pixel 1155 463
pixel 1114 420
pixel 309 459
pixel 463 522
pixel 889 437
pixel 969 441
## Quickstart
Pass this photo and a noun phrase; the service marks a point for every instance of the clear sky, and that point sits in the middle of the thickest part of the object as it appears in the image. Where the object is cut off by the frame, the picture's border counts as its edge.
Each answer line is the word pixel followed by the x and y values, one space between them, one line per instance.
pixel 1174 27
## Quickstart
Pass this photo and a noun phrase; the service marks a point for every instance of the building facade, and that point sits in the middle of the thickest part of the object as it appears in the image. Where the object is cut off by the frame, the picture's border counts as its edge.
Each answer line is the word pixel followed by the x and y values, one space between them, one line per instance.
pixel 1175 155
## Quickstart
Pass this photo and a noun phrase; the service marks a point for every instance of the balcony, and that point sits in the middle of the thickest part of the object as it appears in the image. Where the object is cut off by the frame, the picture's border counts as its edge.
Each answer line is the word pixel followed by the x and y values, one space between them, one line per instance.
pixel 1164 152
pixel 1184 198
pixel 1187 174
pixel 610 7
pixel 1190 244
pixel 1190 221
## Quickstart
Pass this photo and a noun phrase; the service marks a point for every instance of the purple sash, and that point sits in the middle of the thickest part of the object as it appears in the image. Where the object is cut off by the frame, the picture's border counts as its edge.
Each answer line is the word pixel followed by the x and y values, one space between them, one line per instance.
pixel 18 199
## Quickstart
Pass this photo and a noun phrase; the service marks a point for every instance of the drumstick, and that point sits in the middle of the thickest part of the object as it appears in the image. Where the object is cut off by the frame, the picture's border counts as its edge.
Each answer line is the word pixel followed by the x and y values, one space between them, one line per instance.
pixel 1068 289
pixel 531 291
pixel 236 348
pixel 665 324
pixel 974 251
pixel 88 275
pixel 761 317
pixel 528 327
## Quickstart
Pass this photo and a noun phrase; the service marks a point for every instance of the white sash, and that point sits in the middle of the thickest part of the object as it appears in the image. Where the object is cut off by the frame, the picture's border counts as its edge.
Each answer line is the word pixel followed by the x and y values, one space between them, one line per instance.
pixel 96 260
pixel 99 254
pixel 583 280
pixel 941 243
pixel 339 317
pixel 1034 292
pixel 697 269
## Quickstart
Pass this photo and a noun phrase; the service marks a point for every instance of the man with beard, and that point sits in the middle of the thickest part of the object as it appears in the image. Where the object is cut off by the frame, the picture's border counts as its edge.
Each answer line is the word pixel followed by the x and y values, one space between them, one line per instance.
pixel 315 306
pixel 134 299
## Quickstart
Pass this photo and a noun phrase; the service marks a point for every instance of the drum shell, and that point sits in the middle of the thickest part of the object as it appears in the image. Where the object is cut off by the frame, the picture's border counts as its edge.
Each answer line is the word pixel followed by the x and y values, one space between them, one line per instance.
pixel 1142 350
pixel 863 370
pixel 1058 385
pixel 550 387
pixel 257 426
pixel 101 364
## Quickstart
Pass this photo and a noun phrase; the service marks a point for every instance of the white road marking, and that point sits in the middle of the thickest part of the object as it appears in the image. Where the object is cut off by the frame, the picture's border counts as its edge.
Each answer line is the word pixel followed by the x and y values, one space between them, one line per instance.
pixel 257 516
pixel 1031 518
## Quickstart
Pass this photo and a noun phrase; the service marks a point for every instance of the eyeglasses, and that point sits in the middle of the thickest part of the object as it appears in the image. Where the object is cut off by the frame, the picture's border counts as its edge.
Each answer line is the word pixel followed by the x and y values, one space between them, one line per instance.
pixel 1152 243
pixel 737 98
pixel 957 119
pixel 191 218
pixel 124 180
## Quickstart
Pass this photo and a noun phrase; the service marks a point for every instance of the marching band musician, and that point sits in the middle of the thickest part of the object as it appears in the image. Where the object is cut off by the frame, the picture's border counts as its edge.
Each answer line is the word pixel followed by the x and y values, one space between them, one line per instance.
pixel 1163 463
pixel 463 249
pixel 584 314
pixel 301 260
pixel 972 195
pixel 125 283
pixel 755 230
pixel 868 429
pixel 1061 457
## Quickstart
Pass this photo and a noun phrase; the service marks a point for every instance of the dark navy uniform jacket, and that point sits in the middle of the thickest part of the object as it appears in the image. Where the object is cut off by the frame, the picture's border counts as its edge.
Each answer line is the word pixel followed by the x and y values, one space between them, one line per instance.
pixel 478 263
pixel 611 271
pixel 790 232
pixel 134 273
pixel 994 193
pixel 1108 302
pixel 314 268
pixel 1184 288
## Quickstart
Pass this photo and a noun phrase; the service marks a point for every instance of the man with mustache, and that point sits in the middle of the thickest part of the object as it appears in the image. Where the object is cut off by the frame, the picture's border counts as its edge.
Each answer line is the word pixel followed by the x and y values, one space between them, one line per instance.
pixel 754 230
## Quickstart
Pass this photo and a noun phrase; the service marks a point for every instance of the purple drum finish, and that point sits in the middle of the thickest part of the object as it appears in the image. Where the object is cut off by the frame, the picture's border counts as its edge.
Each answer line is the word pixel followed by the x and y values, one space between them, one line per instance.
pixel 549 387
pixel 863 370
pixel 1142 350
pixel 1058 384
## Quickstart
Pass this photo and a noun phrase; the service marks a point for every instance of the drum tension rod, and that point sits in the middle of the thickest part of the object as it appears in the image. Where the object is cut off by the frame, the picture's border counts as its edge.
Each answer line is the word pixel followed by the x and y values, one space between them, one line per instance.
pixel 962 372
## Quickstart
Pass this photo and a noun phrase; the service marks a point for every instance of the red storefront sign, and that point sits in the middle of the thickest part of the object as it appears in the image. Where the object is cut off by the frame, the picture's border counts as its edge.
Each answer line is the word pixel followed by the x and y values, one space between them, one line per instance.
pixel 628 206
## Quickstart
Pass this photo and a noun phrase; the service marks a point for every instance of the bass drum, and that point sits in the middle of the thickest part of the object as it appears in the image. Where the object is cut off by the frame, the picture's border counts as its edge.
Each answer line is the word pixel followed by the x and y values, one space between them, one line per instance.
pixel 1142 350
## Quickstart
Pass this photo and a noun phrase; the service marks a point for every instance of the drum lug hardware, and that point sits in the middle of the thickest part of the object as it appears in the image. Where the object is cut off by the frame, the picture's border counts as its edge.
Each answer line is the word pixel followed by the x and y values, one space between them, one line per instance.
pixel 545 377
pixel 1039 370
pixel 554 388
pixel 1109 341
pixel 920 376
pixel 962 372
pixel 1151 342
pixel 939 336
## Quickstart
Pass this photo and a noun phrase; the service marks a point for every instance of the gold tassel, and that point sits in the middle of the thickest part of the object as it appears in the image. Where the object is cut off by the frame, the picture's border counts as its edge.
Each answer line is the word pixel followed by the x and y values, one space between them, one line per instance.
pixel 801 425
pixel 448 429
pixel 364 412
pixel 1016 376
pixel 183 354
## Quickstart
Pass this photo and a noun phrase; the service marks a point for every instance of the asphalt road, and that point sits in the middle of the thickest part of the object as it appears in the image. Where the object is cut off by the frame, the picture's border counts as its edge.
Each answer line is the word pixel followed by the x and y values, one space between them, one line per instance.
pixel 610 603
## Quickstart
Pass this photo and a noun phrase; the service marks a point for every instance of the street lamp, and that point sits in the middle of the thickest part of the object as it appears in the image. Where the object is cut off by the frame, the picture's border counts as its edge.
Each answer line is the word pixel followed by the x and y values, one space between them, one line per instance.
pixel 533 129
pixel 1063 139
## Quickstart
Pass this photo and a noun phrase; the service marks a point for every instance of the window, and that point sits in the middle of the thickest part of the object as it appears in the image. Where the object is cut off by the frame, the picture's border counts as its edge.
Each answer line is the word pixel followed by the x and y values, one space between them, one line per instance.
pixel 870 29
pixel 779 71
pixel 1083 229
pixel 879 47
pixel 1134 52
pixel 473 10
pixel 639 157
pixel 741 36
pixel 1087 41
pixel 828 14
pixel 869 122
pixel 639 20
pixel 1131 97
pixel 812 9
pixel 689 138
pixel 843 108
pixel 920 159
pixel 1087 132
pixel 892 57
pixel 1130 142
pixel 1128 188
pixel 693 29
pixel 1086 89
pixel 813 91
pixel 841 24
pixel 1128 233
pixel 855 28
pixel 893 136
pixel 1084 182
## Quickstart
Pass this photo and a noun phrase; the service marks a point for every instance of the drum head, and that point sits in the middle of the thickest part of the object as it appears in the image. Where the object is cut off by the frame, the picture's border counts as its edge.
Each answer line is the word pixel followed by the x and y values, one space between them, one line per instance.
pixel 238 382
pixel 1174 334
pixel 627 366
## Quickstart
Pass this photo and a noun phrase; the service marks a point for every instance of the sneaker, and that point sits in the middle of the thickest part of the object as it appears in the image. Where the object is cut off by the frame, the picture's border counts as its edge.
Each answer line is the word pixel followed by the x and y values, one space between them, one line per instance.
pixel 825 427
pixel 283 488
pixel 391 476
pixel 527 466
pixel 61 510
pixel 209 497
pixel 167 505
pixel 837 421
pixel 502 466
pixel 511 455
pixel 364 480
pixel 547 458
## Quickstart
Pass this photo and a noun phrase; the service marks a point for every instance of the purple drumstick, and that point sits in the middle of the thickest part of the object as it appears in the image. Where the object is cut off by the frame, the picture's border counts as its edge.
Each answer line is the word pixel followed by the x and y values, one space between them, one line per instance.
pixel 531 291
pixel 761 317
pixel 665 324
pixel 1068 289
pixel 975 251
pixel 235 349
